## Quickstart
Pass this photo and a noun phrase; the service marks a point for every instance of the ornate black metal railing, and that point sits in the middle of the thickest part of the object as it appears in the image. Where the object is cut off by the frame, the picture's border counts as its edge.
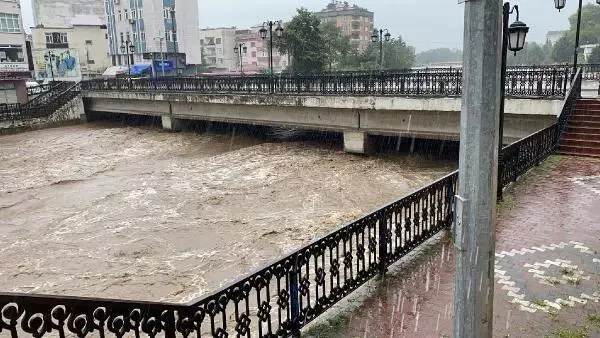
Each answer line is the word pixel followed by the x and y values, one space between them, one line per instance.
pixel 543 82
pixel 591 71
pixel 281 298
pixel 516 158
pixel 43 105
pixel 37 90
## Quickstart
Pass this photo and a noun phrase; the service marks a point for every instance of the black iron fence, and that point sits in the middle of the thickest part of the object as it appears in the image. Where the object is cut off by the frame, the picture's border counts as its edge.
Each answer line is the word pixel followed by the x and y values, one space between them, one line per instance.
pixel 543 82
pixel 37 90
pixel 281 298
pixel 591 71
pixel 43 105
pixel 515 159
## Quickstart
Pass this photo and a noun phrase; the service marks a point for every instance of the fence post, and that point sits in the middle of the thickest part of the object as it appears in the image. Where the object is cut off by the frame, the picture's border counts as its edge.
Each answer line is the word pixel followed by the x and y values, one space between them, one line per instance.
pixel 501 168
pixel 382 243
pixel 169 324
pixel 382 83
pixel 294 299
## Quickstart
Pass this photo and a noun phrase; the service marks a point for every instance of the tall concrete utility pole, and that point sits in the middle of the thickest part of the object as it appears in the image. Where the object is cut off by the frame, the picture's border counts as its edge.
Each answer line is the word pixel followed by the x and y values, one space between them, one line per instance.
pixel 476 200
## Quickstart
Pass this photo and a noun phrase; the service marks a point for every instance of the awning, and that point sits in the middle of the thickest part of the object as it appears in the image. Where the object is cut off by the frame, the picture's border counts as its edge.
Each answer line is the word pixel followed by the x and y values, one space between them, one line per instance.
pixel 114 71
pixel 140 69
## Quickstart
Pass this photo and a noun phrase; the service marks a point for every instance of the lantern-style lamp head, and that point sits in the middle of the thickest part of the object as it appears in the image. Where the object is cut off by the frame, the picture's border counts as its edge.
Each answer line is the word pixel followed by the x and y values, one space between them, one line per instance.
pixel 279 30
pixel 598 2
pixel 236 49
pixel 375 36
pixel 263 32
pixel 122 49
pixel 245 49
pixel 387 36
pixel 517 32
pixel 560 4
pixel 131 49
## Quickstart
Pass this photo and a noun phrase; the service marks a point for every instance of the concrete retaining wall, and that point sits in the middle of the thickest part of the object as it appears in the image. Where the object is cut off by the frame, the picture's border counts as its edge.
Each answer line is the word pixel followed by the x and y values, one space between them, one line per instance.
pixel 72 111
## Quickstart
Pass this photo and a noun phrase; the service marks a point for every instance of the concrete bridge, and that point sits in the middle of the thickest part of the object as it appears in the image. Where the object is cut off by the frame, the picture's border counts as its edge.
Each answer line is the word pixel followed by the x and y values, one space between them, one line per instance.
pixel 421 105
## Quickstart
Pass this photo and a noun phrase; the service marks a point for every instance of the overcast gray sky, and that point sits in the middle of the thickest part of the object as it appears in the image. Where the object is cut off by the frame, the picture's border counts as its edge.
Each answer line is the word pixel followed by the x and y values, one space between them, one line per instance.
pixel 425 24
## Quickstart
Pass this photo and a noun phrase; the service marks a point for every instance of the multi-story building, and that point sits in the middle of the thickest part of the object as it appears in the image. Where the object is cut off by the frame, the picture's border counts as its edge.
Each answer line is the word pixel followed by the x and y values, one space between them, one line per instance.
pixel 164 33
pixel 85 40
pixel 59 13
pixel 553 36
pixel 256 58
pixel 218 49
pixel 354 22
pixel 14 66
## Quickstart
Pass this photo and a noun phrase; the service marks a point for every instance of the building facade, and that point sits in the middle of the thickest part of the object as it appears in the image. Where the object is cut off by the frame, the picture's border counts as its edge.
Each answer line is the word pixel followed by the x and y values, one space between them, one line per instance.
pixel 14 65
pixel 59 13
pixel 87 43
pixel 354 22
pixel 164 33
pixel 256 58
pixel 553 36
pixel 218 49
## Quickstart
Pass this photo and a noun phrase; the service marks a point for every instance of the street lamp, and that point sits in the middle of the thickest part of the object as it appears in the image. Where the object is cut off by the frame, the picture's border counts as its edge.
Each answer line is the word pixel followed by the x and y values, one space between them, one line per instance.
pixel 50 57
pixel 560 4
pixel 241 49
pixel 513 39
pixel 174 36
pixel 378 36
pixel 127 48
pixel 263 35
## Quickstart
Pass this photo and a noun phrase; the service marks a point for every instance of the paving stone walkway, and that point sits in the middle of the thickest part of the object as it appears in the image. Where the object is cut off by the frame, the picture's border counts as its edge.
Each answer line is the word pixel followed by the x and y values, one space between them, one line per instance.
pixel 547 267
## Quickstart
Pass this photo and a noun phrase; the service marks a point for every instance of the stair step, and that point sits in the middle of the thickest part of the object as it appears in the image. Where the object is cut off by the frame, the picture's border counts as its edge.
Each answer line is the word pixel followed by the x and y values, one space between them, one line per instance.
pixel 587 151
pixel 583 111
pixel 565 141
pixel 586 123
pixel 585 117
pixel 569 153
pixel 583 130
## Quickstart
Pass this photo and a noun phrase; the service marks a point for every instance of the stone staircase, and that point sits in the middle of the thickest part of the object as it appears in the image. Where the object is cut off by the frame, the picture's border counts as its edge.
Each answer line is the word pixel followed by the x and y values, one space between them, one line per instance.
pixel 582 135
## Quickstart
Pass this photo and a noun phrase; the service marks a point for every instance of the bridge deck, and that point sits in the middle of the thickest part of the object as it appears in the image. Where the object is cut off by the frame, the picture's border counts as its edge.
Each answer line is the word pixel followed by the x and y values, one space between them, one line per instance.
pixel 547 250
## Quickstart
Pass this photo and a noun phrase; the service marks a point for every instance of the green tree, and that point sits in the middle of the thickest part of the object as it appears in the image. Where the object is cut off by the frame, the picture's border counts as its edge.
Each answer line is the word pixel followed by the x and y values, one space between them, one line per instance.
pixel 303 41
pixel 438 55
pixel 595 56
pixel 397 54
pixel 532 54
pixel 563 49
pixel 337 46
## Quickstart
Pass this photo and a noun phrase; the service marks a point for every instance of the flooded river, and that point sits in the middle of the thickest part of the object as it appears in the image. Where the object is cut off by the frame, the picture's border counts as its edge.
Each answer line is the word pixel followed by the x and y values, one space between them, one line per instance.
pixel 134 212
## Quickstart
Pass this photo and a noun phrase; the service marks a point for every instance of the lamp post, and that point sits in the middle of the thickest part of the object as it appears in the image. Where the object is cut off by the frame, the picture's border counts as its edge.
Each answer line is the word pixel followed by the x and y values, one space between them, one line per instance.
pixel 378 36
pixel 50 57
pixel 174 39
pixel 263 35
pixel 560 4
pixel 513 39
pixel 128 49
pixel 241 50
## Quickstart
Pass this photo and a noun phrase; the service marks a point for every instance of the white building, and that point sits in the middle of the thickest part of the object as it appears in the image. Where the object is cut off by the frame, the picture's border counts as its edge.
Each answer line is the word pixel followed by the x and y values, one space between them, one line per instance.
pixel 218 49
pixel 553 36
pixel 14 65
pixel 59 13
pixel 158 29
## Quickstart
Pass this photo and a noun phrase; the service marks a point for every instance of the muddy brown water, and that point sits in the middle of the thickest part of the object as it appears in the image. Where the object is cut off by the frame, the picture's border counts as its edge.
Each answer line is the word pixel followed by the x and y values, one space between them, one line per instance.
pixel 137 213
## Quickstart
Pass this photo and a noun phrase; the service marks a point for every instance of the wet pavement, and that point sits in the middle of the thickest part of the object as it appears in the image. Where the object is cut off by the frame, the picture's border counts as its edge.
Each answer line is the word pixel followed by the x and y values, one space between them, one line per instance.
pixel 547 267
pixel 138 213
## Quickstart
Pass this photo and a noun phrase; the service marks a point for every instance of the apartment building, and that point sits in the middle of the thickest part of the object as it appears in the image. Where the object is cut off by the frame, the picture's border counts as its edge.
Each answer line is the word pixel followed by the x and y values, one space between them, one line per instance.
pixel 14 65
pixel 354 21
pixel 218 49
pixel 256 58
pixel 164 33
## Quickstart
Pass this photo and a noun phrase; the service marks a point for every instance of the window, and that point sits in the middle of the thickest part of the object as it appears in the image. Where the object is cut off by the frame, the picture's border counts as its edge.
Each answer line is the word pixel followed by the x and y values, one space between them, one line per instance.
pixel 143 36
pixel 13 53
pixel 88 42
pixel 174 36
pixel 56 40
pixel 219 51
pixel 218 42
pixel 220 60
pixel 126 15
pixel 133 14
pixel 253 54
pixel 121 36
pixel 120 17
pixel 128 37
pixel 253 44
pixel 201 42
pixel 166 11
pixel 9 23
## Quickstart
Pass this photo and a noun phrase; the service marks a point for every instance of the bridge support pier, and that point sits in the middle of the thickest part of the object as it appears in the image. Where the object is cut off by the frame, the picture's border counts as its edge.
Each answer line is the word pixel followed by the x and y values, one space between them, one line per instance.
pixel 357 142
pixel 170 123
